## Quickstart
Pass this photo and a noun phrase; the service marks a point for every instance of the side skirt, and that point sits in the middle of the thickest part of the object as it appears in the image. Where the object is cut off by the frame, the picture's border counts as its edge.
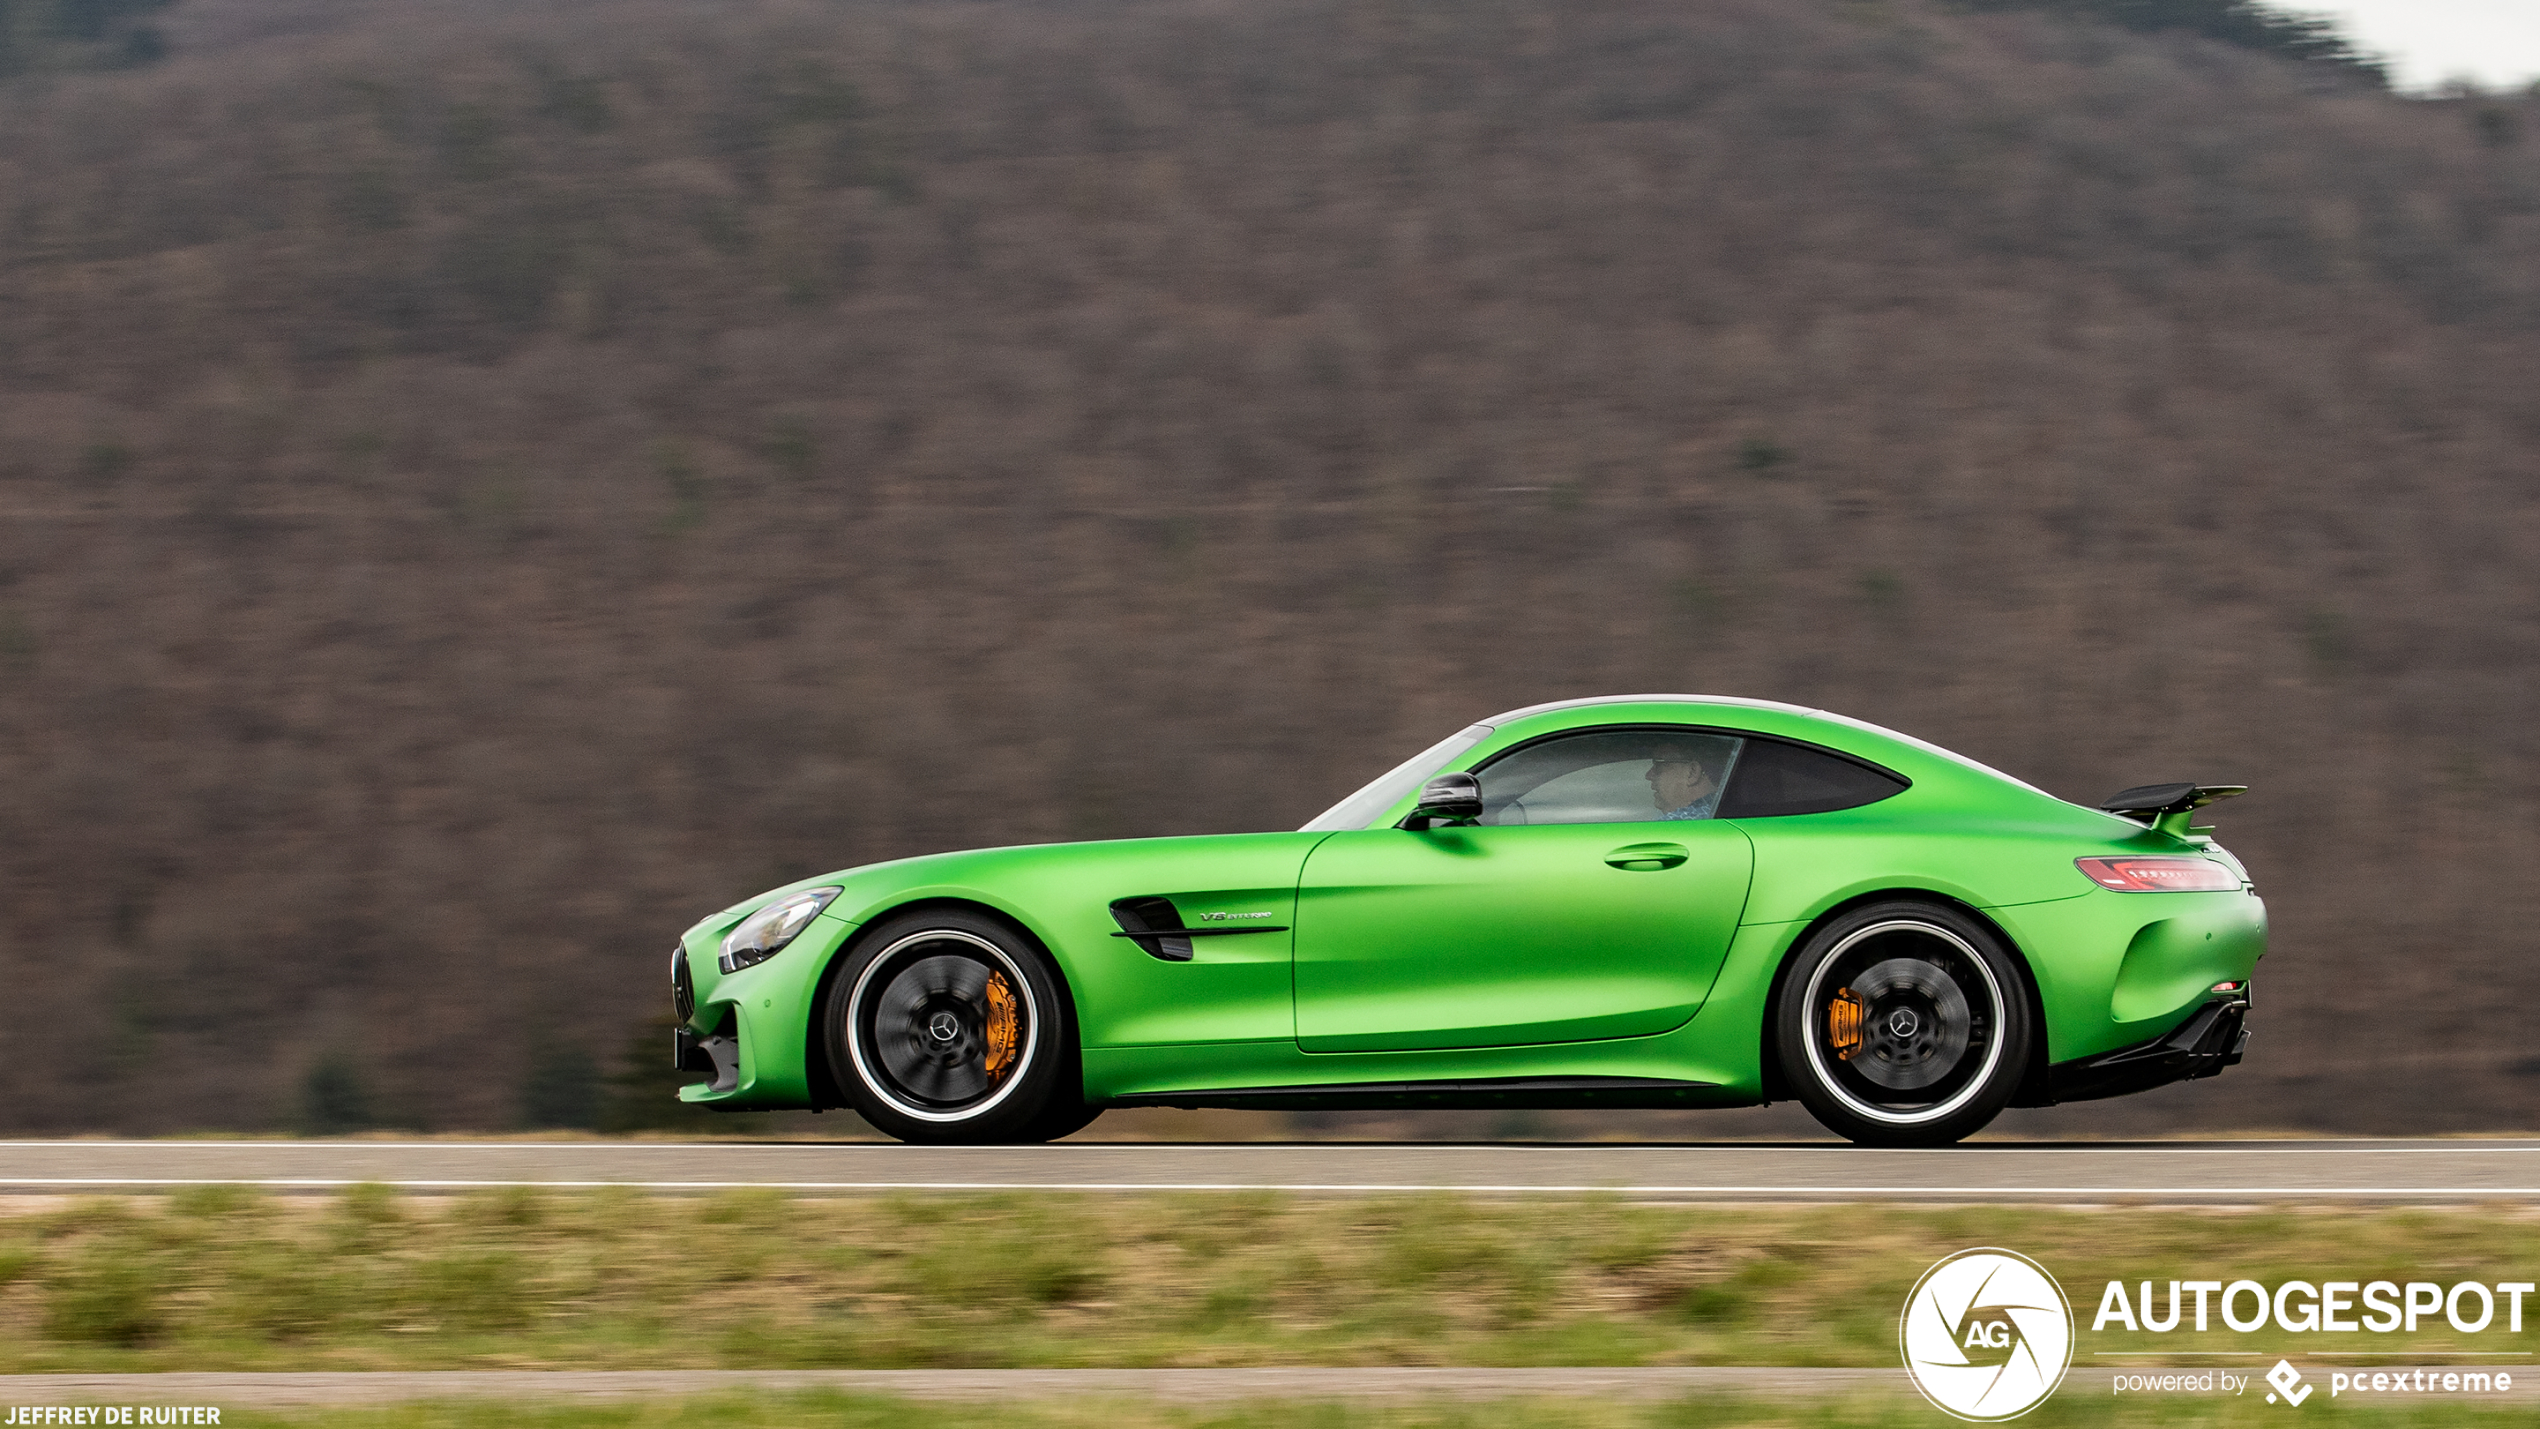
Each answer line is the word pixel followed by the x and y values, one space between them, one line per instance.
pixel 1479 1093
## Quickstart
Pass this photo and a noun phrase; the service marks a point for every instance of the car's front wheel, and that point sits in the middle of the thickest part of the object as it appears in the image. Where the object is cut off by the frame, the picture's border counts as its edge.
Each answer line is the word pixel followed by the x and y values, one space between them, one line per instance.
pixel 1903 1024
pixel 947 1026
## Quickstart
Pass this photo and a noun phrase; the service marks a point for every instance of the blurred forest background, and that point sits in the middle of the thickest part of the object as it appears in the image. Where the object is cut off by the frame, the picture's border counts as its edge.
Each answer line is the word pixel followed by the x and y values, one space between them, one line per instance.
pixel 483 484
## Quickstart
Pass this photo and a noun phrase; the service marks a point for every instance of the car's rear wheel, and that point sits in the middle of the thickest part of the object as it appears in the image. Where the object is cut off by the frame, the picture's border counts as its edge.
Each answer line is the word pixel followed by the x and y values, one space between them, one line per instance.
pixel 948 1026
pixel 1904 1024
pixel 1060 1118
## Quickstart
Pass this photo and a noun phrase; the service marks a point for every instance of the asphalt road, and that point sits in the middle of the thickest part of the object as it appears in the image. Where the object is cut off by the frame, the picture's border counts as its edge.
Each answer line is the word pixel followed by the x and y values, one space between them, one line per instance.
pixel 2433 1172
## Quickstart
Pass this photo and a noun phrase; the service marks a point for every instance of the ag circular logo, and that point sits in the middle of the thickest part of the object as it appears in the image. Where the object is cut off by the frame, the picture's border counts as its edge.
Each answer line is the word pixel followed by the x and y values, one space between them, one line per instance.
pixel 1987 1334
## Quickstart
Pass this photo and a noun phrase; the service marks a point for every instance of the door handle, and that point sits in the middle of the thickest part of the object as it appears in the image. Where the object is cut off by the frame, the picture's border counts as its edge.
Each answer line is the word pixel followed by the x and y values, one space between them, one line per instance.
pixel 1647 858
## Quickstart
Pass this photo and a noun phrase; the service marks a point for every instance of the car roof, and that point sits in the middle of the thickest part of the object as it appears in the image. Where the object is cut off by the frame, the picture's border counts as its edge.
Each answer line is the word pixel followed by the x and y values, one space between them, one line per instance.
pixel 1497 720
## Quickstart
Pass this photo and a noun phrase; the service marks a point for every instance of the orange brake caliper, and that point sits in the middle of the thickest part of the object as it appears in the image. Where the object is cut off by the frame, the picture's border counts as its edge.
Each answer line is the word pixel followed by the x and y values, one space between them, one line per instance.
pixel 1843 1023
pixel 1001 1026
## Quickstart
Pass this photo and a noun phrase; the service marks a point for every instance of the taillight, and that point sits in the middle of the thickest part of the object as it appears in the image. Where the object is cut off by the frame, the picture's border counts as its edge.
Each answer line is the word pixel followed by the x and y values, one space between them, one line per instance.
pixel 2159 875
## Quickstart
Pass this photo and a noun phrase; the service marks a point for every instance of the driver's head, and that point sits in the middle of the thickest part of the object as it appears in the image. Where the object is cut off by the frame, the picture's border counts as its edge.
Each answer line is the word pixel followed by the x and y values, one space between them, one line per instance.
pixel 1675 782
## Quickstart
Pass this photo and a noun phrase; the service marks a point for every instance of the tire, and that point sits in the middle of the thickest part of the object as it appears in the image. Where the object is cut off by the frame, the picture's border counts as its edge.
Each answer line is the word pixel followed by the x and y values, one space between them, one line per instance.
pixel 1066 1112
pixel 948 1026
pixel 1058 1120
pixel 1939 1029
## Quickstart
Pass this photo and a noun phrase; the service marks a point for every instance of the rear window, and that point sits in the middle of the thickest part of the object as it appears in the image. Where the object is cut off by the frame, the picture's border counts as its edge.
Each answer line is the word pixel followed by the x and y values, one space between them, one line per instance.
pixel 1774 778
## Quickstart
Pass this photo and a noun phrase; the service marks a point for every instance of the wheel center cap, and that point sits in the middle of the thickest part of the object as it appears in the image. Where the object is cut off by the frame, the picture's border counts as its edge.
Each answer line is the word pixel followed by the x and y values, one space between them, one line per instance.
pixel 943 1027
pixel 1903 1023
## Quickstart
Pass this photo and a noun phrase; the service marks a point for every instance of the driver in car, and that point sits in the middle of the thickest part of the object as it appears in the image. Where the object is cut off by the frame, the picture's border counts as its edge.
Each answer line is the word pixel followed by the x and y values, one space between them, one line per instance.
pixel 1682 788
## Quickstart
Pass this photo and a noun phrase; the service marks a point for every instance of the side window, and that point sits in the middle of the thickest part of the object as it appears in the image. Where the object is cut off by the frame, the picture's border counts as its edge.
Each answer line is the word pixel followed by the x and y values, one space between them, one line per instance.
pixel 1777 778
pixel 1609 776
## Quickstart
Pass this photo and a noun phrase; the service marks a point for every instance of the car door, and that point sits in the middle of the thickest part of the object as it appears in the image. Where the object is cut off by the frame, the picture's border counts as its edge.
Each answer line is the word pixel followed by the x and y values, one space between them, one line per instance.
pixel 1578 907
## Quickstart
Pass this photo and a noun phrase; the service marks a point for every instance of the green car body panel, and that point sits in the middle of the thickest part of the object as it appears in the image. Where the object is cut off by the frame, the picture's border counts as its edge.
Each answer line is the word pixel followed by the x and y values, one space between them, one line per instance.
pixel 1454 954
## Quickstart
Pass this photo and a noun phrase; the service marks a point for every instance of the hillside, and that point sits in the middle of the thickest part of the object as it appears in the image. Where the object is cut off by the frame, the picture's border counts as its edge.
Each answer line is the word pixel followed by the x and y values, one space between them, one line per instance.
pixel 483 485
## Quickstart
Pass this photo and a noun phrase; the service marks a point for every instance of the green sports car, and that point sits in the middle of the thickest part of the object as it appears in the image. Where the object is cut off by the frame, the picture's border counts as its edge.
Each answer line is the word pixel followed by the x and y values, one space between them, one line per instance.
pixel 1643 901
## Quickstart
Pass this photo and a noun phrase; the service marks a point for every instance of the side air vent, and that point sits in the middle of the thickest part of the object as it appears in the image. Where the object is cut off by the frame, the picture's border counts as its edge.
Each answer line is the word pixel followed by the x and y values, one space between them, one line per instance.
pixel 1138 915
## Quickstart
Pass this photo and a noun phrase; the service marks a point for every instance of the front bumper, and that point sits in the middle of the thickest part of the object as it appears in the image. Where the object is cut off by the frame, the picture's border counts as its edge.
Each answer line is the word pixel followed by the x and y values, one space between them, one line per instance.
pixel 748 1029
pixel 691 1051
pixel 719 1054
pixel 2212 1038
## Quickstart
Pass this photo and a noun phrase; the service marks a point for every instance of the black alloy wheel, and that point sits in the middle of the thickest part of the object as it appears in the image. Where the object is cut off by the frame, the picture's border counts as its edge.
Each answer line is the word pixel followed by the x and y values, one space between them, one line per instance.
pixel 948 1026
pixel 1904 1024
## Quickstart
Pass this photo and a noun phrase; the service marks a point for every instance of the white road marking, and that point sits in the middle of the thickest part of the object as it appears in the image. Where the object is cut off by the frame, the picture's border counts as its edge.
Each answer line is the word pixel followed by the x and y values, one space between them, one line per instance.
pixel 2238 1148
pixel 1609 1188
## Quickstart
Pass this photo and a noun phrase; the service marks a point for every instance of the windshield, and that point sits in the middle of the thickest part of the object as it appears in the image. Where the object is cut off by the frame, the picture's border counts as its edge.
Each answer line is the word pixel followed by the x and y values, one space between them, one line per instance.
pixel 1354 811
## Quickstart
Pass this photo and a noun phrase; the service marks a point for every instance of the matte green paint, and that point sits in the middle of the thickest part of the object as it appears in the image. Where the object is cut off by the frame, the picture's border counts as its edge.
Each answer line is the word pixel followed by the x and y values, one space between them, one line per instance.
pixel 1495 937
pixel 1526 951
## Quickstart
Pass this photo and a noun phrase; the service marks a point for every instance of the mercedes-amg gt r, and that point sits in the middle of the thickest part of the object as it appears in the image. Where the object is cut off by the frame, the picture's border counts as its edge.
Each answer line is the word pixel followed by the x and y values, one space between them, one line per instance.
pixel 1642 901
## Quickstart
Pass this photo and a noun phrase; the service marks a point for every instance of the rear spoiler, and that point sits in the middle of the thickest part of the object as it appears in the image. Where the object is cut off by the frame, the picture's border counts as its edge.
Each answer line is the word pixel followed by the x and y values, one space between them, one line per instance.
pixel 2168 807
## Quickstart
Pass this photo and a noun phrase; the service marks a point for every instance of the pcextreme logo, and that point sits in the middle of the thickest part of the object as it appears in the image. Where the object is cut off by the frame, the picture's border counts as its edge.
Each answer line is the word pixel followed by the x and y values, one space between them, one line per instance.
pixel 1987 1334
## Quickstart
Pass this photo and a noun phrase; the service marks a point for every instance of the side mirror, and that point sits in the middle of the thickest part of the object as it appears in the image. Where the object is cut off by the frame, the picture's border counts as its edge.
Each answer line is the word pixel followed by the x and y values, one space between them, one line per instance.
pixel 1449 798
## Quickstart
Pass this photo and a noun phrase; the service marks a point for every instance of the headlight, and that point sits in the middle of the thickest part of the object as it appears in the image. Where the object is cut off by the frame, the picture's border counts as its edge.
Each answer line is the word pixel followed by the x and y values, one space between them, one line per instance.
pixel 765 933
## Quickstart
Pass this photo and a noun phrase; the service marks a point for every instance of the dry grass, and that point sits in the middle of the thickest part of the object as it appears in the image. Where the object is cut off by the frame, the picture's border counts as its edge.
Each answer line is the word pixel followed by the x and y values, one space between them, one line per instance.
pixel 2071 1406
pixel 521 1280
